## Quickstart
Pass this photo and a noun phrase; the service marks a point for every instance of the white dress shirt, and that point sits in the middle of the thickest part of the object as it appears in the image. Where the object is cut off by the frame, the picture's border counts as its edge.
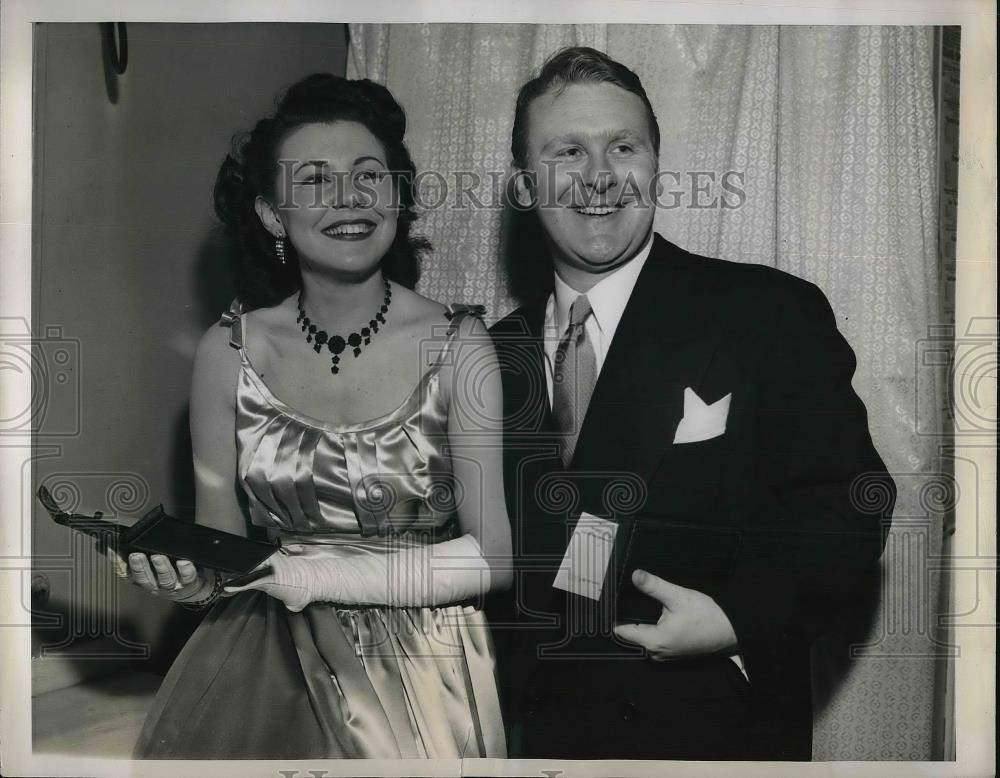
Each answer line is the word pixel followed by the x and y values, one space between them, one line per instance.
pixel 608 298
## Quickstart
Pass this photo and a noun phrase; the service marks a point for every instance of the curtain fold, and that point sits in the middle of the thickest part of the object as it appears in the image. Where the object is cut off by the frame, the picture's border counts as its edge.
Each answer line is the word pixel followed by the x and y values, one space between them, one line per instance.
pixel 827 136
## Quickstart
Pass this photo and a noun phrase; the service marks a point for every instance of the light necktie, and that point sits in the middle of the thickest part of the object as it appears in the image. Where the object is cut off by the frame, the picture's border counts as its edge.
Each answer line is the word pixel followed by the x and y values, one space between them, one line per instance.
pixel 573 378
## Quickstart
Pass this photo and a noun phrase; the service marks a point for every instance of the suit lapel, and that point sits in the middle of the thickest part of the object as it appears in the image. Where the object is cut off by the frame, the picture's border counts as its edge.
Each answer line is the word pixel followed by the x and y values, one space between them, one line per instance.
pixel 530 447
pixel 522 360
pixel 664 343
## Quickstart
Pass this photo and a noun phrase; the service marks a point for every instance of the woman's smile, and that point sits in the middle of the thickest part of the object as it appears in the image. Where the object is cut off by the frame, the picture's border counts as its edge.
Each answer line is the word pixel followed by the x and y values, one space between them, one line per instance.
pixel 350 229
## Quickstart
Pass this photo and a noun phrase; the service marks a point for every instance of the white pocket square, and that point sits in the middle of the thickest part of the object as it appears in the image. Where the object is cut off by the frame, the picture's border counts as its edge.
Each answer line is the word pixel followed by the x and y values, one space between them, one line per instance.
pixel 702 421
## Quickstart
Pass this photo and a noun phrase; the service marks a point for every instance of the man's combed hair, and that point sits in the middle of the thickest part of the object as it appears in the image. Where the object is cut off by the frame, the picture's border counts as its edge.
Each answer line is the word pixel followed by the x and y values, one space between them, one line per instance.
pixel 575 65
pixel 251 169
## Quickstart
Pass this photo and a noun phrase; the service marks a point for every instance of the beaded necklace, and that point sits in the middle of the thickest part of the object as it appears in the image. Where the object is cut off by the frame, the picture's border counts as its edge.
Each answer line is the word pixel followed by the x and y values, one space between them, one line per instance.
pixel 337 344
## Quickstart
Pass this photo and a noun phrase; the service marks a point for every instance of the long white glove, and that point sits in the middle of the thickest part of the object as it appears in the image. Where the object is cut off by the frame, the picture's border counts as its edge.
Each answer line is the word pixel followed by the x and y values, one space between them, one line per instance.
pixel 425 575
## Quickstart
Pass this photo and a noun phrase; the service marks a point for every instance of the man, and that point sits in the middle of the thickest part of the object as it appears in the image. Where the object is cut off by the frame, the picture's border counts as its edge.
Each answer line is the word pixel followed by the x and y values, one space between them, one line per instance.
pixel 684 456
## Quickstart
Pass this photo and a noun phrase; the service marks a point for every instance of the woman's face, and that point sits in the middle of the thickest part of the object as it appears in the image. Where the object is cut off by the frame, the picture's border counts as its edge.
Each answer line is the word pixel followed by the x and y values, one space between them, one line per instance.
pixel 335 199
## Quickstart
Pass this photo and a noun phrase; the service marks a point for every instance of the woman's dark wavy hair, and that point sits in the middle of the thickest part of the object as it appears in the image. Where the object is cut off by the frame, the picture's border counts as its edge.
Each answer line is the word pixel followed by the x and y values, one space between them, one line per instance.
pixel 251 169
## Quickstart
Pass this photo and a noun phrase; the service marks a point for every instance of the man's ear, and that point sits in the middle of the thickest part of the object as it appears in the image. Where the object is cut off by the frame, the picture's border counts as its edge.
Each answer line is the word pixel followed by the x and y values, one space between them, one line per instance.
pixel 268 217
pixel 523 188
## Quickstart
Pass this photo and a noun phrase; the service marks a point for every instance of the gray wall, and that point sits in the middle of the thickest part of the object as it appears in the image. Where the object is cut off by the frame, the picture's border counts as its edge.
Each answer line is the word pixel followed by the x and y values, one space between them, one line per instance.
pixel 127 262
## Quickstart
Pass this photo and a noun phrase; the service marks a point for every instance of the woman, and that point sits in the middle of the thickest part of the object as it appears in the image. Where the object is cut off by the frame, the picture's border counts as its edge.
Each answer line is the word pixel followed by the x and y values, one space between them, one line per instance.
pixel 366 438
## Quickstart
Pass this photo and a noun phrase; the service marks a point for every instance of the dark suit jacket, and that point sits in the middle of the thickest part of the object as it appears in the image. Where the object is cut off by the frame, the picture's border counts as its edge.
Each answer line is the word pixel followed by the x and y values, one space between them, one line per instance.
pixel 776 519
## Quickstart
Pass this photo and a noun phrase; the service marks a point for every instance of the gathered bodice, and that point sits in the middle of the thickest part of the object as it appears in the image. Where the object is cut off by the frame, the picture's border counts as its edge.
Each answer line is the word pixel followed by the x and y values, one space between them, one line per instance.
pixel 385 476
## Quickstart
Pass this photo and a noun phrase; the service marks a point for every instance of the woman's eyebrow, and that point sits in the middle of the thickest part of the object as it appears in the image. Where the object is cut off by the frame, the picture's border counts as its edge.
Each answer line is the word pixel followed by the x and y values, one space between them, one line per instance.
pixel 313 162
pixel 324 163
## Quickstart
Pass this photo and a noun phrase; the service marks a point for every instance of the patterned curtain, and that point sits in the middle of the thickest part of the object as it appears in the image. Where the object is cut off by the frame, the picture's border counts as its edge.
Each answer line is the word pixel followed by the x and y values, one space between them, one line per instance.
pixel 829 136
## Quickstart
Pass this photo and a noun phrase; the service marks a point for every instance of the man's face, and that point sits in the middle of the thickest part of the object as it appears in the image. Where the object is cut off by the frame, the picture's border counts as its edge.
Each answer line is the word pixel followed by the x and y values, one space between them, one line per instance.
pixel 591 153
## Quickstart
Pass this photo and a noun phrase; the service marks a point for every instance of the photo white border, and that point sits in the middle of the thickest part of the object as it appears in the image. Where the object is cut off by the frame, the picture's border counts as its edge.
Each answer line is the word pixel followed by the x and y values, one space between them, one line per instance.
pixel 975 299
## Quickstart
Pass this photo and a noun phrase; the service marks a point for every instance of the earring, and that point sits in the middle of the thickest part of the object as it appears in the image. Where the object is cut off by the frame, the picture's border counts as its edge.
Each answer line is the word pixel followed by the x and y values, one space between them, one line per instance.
pixel 279 248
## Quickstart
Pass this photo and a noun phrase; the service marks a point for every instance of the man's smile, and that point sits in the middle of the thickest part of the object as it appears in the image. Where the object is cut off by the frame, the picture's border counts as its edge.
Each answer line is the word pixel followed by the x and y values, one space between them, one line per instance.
pixel 597 210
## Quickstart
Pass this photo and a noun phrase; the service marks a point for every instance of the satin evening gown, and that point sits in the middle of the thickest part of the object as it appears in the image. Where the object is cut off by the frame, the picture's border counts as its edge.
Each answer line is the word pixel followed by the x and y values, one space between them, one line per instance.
pixel 256 681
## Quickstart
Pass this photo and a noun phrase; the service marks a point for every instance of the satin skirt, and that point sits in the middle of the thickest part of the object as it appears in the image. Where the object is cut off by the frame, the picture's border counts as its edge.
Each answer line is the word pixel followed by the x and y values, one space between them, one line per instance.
pixel 256 681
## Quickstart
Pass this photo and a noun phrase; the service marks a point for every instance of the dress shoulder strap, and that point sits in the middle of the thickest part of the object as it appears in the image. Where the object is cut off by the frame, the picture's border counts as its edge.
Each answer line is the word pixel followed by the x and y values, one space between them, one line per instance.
pixel 458 311
pixel 455 314
pixel 233 318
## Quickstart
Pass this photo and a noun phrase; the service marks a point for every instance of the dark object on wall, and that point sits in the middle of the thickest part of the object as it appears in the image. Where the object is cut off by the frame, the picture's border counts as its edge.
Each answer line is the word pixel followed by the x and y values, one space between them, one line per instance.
pixel 40 589
pixel 116 46
pixel 114 56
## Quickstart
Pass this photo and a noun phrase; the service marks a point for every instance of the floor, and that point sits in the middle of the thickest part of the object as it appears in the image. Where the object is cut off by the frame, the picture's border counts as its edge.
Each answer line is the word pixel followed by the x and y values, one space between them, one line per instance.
pixel 100 717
